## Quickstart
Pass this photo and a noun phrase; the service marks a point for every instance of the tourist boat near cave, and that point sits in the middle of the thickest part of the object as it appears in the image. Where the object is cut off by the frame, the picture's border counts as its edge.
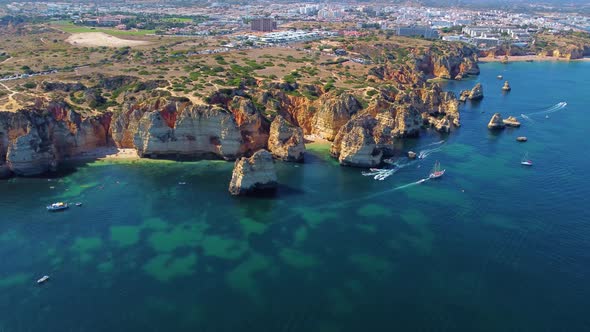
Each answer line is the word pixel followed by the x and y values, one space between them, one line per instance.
pixel 57 206
pixel 526 161
pixel 436 171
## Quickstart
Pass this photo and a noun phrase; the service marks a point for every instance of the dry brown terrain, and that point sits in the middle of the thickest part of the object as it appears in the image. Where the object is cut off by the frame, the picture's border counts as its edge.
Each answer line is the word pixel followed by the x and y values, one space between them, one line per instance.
pixel 86 57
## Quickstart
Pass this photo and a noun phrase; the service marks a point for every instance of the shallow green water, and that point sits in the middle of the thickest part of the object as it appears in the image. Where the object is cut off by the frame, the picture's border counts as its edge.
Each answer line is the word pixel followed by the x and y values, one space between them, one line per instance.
pixel 491 246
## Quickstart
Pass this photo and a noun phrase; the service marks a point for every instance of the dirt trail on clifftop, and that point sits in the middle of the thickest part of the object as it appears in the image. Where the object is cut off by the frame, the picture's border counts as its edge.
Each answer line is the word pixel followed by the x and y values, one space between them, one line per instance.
pixel 12 104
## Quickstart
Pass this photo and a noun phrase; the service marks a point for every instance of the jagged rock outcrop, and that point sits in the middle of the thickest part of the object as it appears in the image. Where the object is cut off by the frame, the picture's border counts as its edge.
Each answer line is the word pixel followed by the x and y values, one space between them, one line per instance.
pixel 253 127
pixel 450 61
pixel 437 105
pixel 442 60
pixel 443 125
pixel 202 131
pixel 34 141
pixel 464 95
pixel 29 155
pixel 496 122
pixel 511 122
pixel 177 128
pixel 253 175
pixel 571 52
pixel 333 112
pixel 355 143
pixel 298 110
pixel 372 133
pixel 285 140
pixel 476 93
pixel 506 86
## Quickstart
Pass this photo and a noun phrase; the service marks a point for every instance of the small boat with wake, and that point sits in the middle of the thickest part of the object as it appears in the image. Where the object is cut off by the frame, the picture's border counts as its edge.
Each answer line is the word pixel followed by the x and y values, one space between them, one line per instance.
pixel 436 171
pixel 59 206
pixel 526 161
pixel 43 279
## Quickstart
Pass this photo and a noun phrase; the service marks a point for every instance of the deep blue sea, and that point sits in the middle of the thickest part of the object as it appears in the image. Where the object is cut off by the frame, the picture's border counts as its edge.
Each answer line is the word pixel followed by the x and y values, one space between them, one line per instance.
pixel 491 246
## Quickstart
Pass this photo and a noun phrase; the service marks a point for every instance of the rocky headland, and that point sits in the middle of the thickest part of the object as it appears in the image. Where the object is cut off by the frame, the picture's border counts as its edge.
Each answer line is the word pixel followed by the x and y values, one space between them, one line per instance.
pixel 233 123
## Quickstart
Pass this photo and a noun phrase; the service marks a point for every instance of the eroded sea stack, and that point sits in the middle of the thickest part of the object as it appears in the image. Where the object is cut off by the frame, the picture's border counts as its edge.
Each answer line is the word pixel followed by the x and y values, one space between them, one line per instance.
pixel 286 141
pixel 476 93
pixel 496 122
pixel 511 122
pixel 254 175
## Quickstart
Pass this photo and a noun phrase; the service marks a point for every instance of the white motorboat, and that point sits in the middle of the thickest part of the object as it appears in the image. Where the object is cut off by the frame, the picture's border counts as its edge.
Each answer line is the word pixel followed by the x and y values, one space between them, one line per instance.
pixel 57 206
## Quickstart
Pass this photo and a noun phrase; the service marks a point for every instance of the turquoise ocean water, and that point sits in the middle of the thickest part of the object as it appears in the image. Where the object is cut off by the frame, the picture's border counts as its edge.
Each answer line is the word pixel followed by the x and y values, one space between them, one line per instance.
pixel 491 246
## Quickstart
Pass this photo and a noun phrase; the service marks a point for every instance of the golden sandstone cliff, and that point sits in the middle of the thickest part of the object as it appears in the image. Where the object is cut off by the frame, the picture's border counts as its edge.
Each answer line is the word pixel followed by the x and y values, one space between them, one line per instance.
pixel 33 141
pixel 237 122
pixel 254 175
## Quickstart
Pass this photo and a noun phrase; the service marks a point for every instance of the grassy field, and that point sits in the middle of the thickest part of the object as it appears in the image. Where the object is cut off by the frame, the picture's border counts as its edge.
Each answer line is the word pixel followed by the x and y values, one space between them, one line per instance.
pixel 177 19
pixel 69 27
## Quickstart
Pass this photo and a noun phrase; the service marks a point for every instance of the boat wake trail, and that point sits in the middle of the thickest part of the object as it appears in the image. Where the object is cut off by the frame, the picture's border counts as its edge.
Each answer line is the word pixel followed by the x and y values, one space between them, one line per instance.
pixel 383 173
pixel 436 143
pixel 373 195
pixel 411 184
pixel 425 153
pixel 555 108
pixel 380 174
pixel 524 116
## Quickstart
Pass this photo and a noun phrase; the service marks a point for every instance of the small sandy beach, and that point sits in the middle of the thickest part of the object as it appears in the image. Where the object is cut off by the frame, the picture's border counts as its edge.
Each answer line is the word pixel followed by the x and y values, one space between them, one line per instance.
pixel 521 58
pixel 107 153
pixel 312 138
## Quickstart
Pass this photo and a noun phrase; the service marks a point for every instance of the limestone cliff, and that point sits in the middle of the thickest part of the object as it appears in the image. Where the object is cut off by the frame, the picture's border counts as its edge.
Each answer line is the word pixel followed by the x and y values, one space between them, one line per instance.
pixel 35 140
pixel 253 175
pixel 333 111
pixel 188 131
pixel 163 128
pixel 441 60
pixel 374 132
pixel 286 141
pixel 29 154
pixel 254 128
pixel 355 143
pixel 569 45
